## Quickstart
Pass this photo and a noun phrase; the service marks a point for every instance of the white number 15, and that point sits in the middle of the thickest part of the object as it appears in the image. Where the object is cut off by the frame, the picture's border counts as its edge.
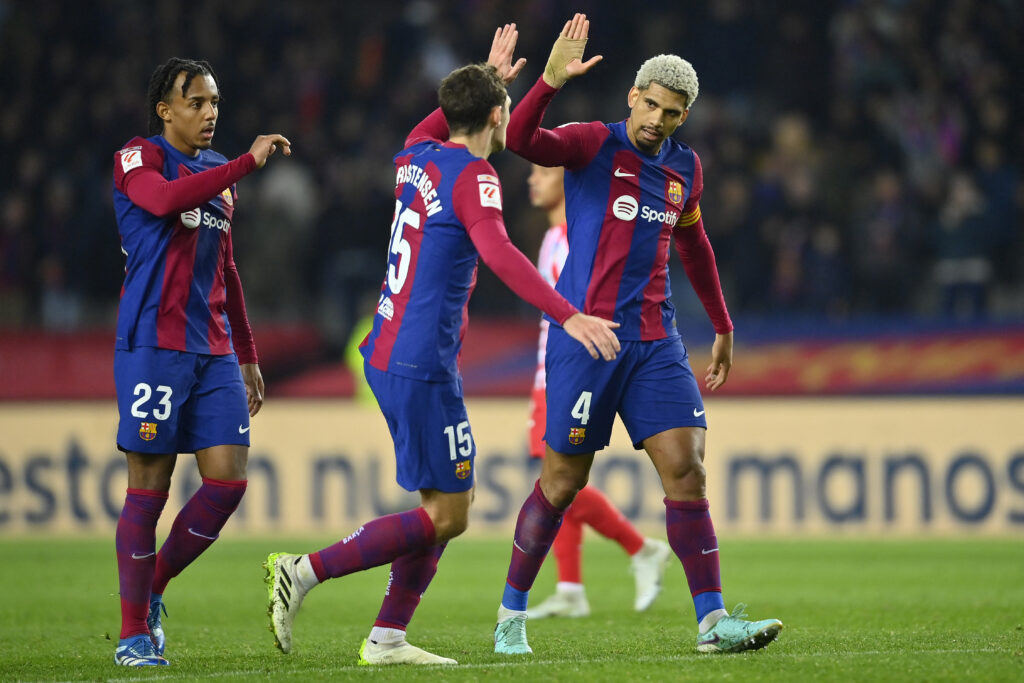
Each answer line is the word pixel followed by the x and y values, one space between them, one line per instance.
pixel 464 437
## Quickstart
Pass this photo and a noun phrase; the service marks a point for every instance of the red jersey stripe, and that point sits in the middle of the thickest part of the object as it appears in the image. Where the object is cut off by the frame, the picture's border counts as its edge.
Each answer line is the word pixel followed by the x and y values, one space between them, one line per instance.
pixel 613 246
pixel 217 333
pixel 172 318
pixel 651 325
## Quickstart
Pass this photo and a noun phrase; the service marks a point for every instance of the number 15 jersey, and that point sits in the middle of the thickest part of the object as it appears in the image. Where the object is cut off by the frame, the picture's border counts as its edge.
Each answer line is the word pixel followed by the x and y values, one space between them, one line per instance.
pixel 441 190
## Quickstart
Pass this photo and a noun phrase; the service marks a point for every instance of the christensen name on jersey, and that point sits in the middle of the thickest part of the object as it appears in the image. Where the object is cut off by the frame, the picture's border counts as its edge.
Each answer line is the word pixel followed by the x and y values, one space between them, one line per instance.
pixel 414 175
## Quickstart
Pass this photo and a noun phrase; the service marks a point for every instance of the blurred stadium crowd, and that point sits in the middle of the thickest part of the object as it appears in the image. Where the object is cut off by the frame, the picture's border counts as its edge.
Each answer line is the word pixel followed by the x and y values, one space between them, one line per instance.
pixel 861 157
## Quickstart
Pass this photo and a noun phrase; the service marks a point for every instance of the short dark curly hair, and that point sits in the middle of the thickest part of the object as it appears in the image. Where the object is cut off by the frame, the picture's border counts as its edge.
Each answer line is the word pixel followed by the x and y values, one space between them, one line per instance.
pixel 467 96
pixel 162 80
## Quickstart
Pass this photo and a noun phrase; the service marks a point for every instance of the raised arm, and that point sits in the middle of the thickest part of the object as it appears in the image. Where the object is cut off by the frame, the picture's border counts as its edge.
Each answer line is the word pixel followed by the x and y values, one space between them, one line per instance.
pixel 138 172
pixel 566 58
pixel 435 127
pixel 147 187
pixel 573 145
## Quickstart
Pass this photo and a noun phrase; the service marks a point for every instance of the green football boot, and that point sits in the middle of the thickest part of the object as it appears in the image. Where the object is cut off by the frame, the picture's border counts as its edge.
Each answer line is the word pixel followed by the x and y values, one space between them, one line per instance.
pixel 733 633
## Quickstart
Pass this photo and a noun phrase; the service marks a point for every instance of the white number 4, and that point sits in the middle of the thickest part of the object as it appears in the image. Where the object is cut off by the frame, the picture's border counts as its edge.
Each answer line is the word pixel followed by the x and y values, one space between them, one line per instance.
pixel 581 411
pixel 465 439
pixel 145 392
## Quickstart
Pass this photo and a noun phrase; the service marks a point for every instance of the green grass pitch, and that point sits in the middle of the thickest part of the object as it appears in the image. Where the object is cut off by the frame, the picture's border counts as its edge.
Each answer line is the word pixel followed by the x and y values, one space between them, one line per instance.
pixel 907 610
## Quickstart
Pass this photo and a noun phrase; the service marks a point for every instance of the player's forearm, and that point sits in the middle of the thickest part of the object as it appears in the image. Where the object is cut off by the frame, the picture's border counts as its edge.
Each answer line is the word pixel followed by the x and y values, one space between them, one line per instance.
pixel 525 137
pixel 148 189
pixel 241 332
pixel 435 127
pixel 699 263
pixel 516 271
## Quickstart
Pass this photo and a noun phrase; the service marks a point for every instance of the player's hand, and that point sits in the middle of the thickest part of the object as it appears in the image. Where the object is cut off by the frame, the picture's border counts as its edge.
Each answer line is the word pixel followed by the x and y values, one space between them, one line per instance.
pixel 721 361
pixel 253 380
pixel 595 334
pixel 566 59
pixel 502 47
pixel 265 145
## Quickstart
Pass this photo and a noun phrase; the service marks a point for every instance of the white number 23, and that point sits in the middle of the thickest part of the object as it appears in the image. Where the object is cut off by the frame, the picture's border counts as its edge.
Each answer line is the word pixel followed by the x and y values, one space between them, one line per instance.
pixel 163 407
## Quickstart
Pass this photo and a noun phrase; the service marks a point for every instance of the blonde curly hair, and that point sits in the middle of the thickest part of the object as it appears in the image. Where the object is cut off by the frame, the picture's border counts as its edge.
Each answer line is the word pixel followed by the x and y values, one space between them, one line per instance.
pixel 672 72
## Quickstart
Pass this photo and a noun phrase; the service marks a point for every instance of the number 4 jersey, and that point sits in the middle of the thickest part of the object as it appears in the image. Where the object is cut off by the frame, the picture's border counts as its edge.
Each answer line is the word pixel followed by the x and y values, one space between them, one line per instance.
pixel 440 189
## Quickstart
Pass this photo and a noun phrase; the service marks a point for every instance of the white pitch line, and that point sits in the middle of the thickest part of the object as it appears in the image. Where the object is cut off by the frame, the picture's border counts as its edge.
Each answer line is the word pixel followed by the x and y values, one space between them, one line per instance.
pixel 541 662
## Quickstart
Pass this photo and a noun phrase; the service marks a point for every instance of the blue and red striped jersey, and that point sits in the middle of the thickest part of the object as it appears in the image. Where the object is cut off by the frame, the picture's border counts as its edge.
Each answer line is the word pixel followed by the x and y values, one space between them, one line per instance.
pixel 622 207
pixel 441 191
pixel 174 291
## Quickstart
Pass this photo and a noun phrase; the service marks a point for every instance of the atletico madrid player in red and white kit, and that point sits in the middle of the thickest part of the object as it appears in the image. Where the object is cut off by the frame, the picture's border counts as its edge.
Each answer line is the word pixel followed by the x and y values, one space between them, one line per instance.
pixel 185 364
pixel 631 191
pixel 590 507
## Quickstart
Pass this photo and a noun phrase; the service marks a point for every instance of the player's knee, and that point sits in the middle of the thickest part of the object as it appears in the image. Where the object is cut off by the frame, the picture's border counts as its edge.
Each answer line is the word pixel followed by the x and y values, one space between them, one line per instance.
pixel 686 480
pixel 225 463
pixel 561 488
pixel 450 526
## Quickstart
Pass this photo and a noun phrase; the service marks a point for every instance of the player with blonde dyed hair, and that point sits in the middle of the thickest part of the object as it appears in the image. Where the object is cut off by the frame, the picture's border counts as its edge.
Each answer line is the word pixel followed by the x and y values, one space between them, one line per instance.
pixel 670 72
pixel 631 190
pixel 591 507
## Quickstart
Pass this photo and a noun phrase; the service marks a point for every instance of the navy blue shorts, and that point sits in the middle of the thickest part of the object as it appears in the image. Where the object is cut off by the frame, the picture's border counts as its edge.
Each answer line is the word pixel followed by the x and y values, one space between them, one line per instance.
pixel 649 384
pixel 434 447
pixel 178 402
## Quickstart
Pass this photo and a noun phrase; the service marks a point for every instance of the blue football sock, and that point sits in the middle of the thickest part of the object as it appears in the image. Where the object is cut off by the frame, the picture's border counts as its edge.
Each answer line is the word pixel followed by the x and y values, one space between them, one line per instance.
pixel 707 602
pixel 514 599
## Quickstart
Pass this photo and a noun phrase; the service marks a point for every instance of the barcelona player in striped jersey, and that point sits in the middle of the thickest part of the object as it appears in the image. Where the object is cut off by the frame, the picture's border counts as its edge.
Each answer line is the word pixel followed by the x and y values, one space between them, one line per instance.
pixel 590 507
pixel 448 214
pixel 185 365
pixel 631 190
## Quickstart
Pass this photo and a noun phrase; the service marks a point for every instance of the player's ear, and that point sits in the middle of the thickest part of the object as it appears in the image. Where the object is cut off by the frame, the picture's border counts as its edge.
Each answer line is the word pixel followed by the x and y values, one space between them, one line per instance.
pixel 496 114
pixel 163 110
pixel 633 96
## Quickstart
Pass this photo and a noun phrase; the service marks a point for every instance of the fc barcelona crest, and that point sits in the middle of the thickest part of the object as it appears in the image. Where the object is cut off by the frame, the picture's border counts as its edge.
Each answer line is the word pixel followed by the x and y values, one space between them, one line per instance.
pixel 576 435
pixel 226 196
pixel 463 469
pixel 147 431
pixel 675 191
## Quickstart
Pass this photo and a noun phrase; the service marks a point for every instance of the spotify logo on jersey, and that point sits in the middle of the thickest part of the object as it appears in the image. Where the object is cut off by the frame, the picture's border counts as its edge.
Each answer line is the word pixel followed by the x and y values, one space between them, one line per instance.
pixel 625 208
pixel 191 218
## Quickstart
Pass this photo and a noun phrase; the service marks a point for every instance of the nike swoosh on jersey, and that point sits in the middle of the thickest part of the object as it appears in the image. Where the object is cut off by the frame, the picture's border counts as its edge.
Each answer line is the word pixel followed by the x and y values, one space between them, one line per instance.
pixel 243 430
pixel 619 173
pixel 697 413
